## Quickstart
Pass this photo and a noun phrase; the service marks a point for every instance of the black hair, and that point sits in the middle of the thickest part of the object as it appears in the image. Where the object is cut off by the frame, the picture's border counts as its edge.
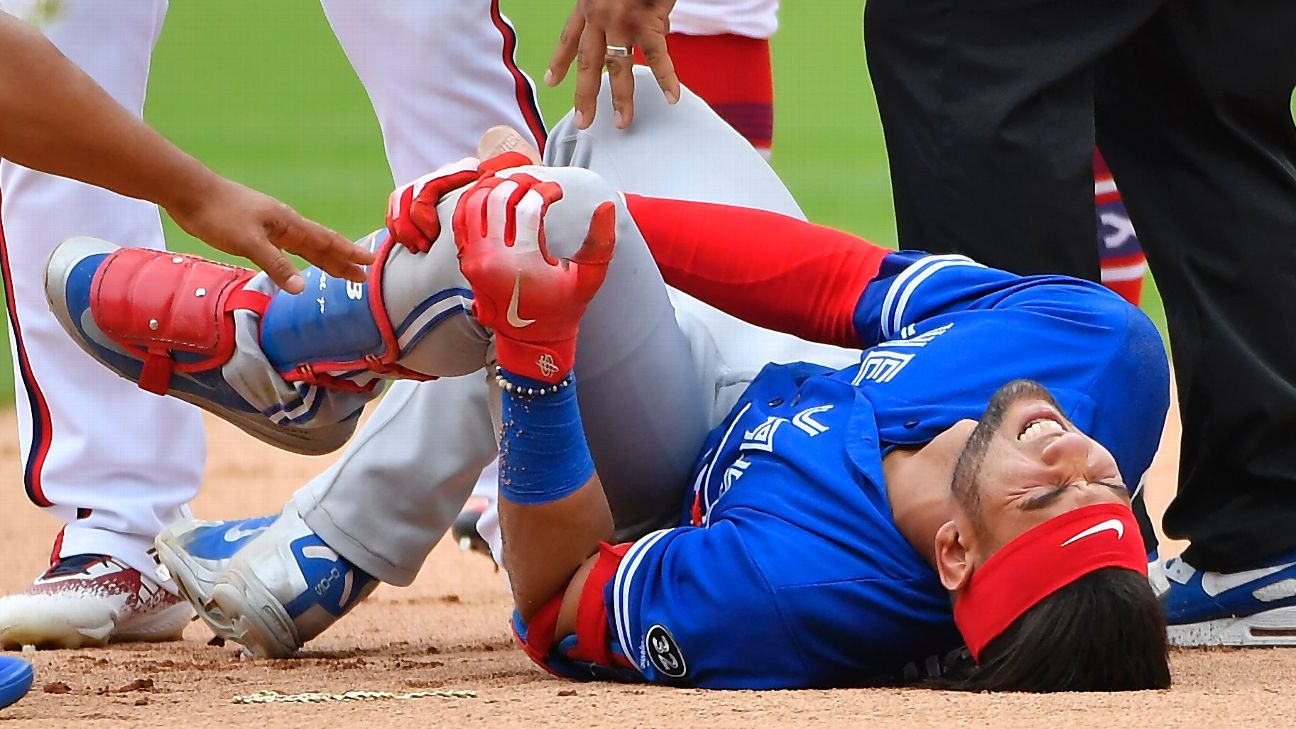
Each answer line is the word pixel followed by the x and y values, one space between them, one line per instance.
pixel 1103 632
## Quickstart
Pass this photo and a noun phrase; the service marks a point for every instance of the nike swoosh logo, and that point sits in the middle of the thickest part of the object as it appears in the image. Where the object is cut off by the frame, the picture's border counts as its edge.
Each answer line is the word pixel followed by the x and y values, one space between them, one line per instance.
pixel 237 532
pixel 1213 583
pixel 1115 525
pixel 512 313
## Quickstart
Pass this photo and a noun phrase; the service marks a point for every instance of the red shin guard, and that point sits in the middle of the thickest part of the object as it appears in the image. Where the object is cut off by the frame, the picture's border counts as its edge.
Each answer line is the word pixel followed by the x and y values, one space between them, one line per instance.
pixel 156 304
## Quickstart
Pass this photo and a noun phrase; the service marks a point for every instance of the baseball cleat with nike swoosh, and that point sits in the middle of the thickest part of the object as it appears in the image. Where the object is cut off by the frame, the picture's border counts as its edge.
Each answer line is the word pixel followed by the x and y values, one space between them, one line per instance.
pixel 89 600
pixel 1255 607
pixel 269 584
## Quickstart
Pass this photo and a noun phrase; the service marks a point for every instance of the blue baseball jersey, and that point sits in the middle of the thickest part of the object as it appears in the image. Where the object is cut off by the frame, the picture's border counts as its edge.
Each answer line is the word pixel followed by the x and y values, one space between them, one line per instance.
pixel 788 569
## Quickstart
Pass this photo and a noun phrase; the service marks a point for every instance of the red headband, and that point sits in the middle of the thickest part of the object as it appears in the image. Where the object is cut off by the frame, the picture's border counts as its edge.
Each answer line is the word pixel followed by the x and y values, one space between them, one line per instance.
pixel 1041 561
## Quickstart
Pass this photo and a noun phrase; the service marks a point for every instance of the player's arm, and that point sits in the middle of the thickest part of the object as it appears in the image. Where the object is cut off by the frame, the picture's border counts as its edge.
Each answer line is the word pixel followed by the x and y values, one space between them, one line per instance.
pixel 553 512
pixel 58 120
pixel 772 270
pixel 584 608
pixel 828 286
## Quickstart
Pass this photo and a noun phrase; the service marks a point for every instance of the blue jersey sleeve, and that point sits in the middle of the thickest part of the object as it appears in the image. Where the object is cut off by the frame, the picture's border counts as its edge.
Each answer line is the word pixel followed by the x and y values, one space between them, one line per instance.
pixel 946 333
pixel 689 606
pixel 914 287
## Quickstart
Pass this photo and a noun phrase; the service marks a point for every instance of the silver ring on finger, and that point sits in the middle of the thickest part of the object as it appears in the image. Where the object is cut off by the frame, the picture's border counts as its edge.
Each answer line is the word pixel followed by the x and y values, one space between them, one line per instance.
pixel 618 52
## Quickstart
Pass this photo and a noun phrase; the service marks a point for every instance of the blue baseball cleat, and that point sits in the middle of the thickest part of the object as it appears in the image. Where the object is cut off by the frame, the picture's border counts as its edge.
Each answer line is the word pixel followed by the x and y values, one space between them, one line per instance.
pixel 166 322
pixel 1255 607
pixel 15 680
pixel 267 583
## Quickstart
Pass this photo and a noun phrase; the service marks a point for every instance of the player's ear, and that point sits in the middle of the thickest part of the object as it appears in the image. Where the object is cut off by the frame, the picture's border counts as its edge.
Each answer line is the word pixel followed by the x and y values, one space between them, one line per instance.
pixel 953 557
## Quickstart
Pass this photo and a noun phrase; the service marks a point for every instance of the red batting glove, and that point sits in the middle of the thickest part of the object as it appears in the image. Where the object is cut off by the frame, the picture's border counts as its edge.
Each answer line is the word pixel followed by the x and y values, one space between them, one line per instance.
pixel 411 209
pixel 533 301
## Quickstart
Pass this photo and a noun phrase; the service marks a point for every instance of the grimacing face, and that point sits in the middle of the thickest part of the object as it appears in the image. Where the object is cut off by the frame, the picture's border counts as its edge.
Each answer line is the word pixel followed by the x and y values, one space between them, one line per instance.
pixel 1025 463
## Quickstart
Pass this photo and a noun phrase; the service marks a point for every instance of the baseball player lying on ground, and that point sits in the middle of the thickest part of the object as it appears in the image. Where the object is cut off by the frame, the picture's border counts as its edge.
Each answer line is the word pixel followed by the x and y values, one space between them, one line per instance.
pixel 804 526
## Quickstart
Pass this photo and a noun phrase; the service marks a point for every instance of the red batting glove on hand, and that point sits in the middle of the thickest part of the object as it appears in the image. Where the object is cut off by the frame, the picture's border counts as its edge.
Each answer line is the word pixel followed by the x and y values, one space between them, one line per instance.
pixel 533 301
pixel 412 208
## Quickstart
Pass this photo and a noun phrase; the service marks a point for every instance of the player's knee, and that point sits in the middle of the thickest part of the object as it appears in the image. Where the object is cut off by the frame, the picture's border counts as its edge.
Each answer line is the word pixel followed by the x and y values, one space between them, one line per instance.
pixel 567 220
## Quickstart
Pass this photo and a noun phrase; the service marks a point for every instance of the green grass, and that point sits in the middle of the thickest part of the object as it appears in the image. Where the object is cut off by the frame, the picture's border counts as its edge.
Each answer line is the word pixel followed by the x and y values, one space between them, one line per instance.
pixel 260 90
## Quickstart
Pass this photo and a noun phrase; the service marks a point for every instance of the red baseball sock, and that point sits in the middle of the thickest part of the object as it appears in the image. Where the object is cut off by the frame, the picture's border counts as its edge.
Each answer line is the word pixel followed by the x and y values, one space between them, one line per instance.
pixel 732 74
pixel 1119 253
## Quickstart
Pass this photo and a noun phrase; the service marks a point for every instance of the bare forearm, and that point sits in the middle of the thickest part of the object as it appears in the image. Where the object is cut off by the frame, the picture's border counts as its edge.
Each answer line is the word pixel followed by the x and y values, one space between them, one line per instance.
pixel 545 545
pixel 58 120
pixel 553 512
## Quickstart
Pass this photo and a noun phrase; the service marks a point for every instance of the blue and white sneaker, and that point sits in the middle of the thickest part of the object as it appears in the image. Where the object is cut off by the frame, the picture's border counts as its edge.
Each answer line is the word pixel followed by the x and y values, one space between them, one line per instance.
pixel 15 679
pixel 269 583
pixel 166 321
pixel 1255 607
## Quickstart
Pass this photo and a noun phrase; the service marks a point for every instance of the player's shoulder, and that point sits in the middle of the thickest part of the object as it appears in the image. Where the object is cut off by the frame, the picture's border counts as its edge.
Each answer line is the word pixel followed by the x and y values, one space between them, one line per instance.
pixel 1066 299
pixel 1070 292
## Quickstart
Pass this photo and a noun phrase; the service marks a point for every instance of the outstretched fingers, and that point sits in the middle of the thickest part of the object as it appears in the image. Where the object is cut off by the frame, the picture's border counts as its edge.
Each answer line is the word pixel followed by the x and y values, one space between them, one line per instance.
pixel 332 253
pixel 589 74
pixel 568 44
pixel 657 56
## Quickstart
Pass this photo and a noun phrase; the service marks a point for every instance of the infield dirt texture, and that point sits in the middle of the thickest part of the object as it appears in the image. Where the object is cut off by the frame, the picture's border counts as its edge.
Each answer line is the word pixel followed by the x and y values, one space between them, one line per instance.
pixel 259 89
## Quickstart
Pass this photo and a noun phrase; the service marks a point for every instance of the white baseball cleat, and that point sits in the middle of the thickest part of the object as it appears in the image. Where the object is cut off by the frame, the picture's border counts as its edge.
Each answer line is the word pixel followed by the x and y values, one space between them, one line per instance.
pixel 269 583
pixel 194 553
pixel 90 600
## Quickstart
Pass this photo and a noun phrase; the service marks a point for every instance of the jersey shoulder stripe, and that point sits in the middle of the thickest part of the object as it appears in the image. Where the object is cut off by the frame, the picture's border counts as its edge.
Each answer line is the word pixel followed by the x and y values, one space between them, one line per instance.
pixel 898 295
pixel 621 591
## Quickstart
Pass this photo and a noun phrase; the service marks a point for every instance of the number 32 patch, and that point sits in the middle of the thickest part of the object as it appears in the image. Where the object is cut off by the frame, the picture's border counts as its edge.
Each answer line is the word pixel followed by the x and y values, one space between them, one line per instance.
pixel 663 653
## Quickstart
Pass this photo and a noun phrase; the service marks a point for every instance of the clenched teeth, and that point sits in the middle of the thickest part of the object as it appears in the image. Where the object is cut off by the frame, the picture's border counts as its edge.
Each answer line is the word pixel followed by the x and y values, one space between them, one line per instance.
pixel 1039 427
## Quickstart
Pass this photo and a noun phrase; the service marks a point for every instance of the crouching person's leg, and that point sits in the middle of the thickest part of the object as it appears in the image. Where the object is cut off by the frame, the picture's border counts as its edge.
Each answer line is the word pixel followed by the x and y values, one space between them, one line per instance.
pixel 294 371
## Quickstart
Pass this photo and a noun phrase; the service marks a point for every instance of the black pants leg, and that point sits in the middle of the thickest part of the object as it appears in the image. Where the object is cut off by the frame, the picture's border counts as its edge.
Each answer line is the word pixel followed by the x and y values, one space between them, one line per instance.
pixel 987 109
pixel 1194 117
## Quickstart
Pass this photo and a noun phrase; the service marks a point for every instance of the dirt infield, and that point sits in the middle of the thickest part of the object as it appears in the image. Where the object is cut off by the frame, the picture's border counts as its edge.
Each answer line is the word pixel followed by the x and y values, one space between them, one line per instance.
pixel 448 632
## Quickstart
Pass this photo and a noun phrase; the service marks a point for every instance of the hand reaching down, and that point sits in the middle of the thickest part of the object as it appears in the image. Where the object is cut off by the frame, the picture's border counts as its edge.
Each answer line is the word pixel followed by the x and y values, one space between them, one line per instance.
pixel 239 220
